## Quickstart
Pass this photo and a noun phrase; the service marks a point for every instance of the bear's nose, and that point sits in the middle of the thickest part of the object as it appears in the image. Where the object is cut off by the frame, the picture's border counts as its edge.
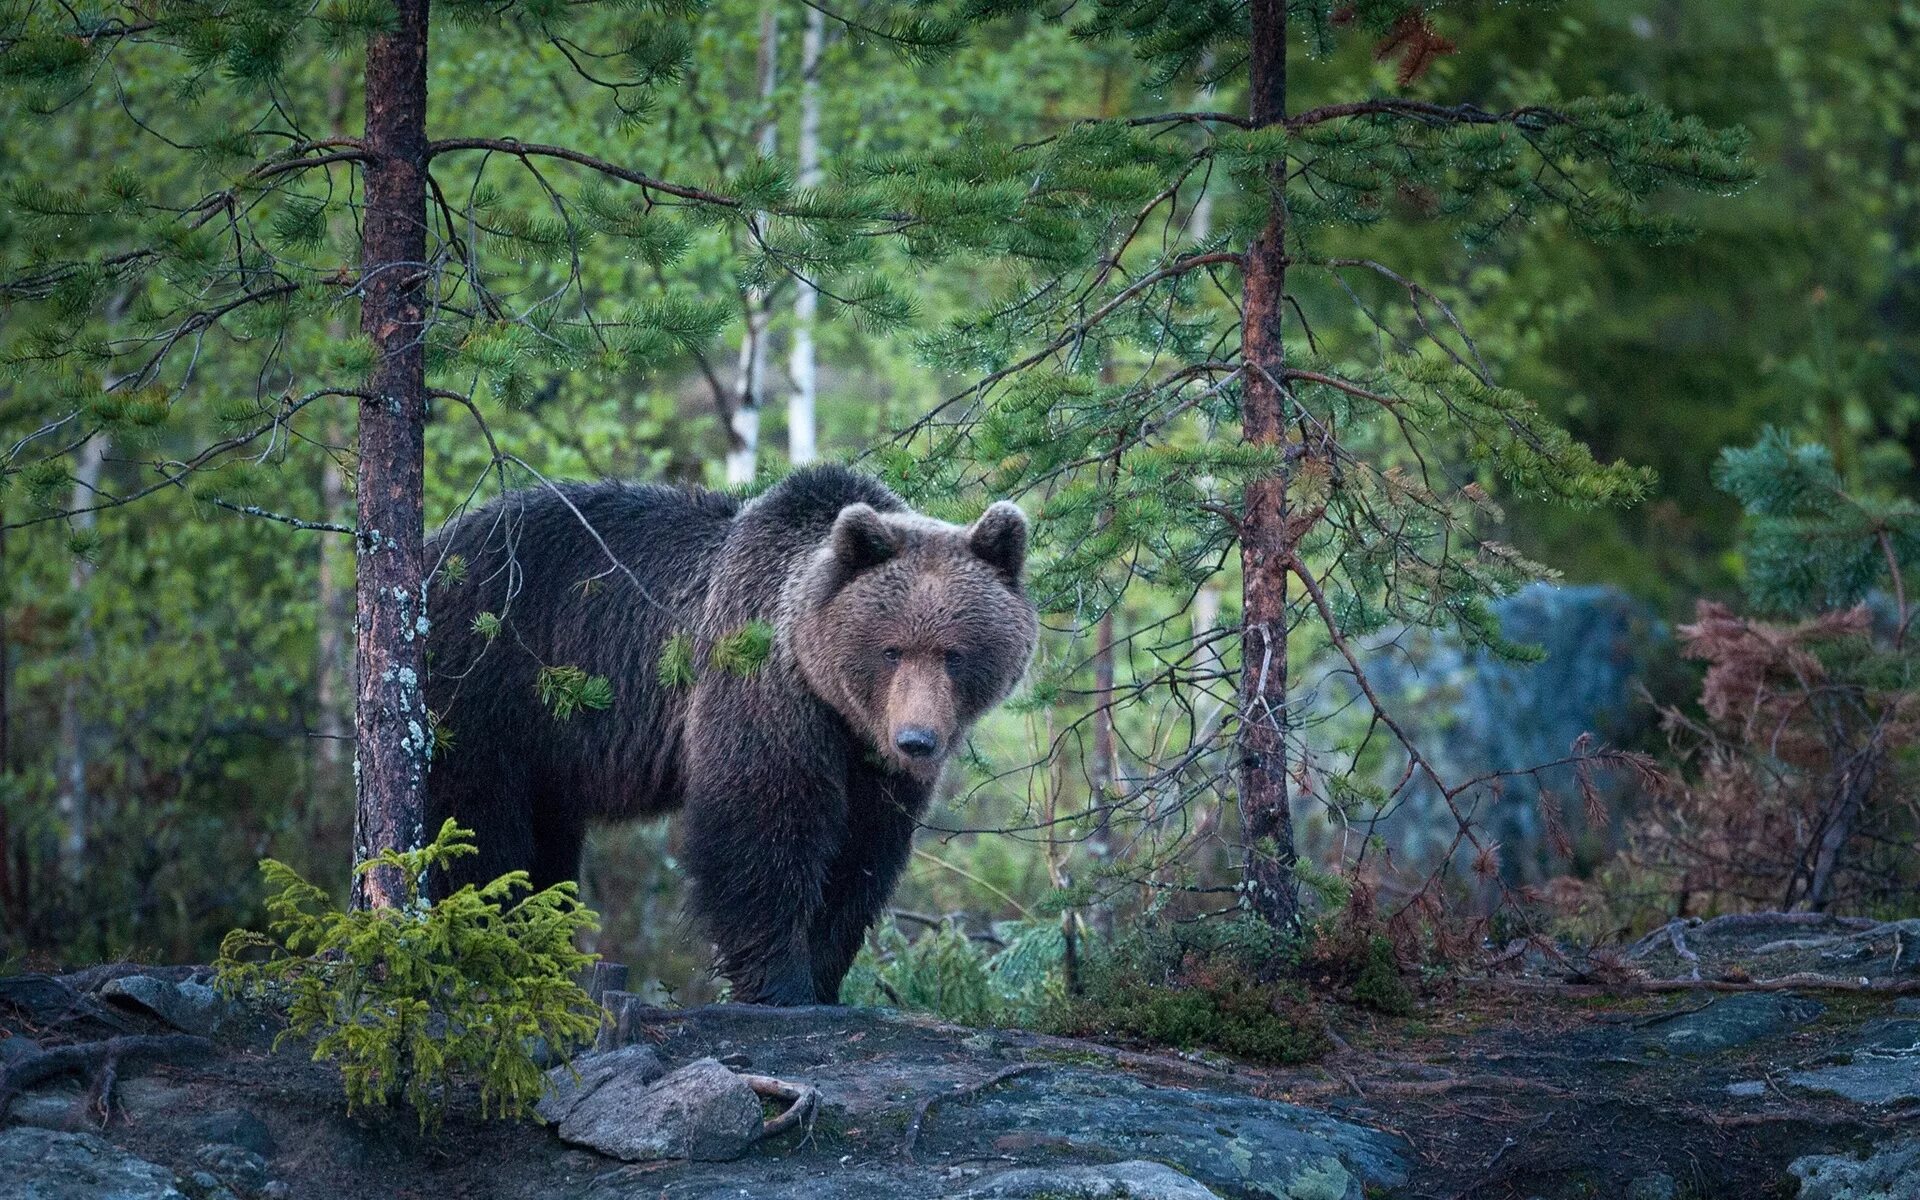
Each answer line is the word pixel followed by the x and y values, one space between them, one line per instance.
pixel 917 741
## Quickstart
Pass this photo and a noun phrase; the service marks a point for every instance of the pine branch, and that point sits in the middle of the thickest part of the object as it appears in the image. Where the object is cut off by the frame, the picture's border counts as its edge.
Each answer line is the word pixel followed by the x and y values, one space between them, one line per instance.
pixel 521 149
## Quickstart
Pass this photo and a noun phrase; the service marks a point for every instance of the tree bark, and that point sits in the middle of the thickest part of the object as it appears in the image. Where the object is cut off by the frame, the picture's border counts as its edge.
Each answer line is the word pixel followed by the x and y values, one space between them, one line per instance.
pixel 390 622
pixel 1266 545
pixel 802 419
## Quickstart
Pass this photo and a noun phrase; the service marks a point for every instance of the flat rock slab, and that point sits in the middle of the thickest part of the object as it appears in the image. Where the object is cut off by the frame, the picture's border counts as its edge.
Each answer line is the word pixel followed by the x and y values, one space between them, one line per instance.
pixel 1233 1142
pixel 1882 1067
pixel 43 1164
pixel 1890 1172
pixel 1731 1021
pixel 1136 1180
pixel 702 1112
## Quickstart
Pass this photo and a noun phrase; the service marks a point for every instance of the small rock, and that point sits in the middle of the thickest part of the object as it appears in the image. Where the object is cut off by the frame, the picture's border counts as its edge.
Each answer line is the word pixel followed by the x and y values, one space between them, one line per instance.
pixel 1747 1089
pixel 1132 1180
pixel 1654 1186
pixel 188 1007
pixel 569 1084
pixel 41 1164
pixel 736 1060
pixel 1907 1006
pixel 276 1189
pixel 1890 1172
pixel 236 1127
pixel 210 1188
pixel 237 1167
pixel 702 1111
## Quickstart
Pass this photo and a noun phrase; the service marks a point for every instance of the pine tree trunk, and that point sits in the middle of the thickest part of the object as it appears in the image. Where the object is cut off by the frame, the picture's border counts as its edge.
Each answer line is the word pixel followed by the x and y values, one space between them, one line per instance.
pixel 1266 546
pixel 802 420
pixel 390 623
pixel 71 801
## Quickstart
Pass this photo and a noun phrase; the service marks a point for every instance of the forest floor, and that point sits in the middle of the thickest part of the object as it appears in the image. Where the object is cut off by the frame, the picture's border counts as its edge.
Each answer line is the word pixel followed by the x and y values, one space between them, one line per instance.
pixel 1534 1084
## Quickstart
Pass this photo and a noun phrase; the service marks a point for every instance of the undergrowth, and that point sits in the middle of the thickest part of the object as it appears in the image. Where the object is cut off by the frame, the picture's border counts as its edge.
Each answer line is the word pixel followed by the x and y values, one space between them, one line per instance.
pixel 408 1000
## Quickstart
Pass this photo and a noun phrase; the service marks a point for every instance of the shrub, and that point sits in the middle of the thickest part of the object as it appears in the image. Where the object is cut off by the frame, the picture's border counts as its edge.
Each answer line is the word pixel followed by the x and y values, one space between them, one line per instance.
pixel 409 1000
pixel 1218 984
pixel 960 978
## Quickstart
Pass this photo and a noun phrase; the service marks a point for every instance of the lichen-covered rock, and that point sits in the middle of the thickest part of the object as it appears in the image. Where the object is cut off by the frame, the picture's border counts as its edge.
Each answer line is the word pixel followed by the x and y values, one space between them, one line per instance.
pixel 1890 1172
pixel 43 1164
pixel 1133 1180
pixel 1883 1067
pixel 1235 1143
pixel 702 1112
pixel 1732 1021
pixel 236 1166
pixel 569 1084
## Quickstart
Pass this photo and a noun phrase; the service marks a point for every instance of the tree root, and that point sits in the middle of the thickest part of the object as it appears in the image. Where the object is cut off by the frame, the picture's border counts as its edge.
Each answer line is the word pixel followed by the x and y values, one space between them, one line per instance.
pixel 1799 981
pixel 920 1110
pixel 803 1098
pixel 103 1058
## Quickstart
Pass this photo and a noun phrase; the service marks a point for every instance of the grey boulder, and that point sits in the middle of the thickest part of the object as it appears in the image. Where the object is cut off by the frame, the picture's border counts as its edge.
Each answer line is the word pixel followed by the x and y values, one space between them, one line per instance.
pixel 189 1007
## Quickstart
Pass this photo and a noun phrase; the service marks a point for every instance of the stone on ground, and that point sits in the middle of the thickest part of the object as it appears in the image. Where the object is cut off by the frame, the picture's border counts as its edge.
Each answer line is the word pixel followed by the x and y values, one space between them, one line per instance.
pixel 702 1112
pixel 189 1007
pixel 1882 1067
pixel 569 1084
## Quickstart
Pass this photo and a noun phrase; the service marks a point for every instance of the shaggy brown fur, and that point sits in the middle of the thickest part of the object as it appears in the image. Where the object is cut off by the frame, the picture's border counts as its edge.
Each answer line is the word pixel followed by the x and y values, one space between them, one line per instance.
pixel 802 781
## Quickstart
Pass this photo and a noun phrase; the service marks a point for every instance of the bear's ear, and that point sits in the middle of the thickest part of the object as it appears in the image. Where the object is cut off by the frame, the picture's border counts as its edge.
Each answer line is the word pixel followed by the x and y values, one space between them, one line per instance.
pixel 861 538
pixel 999 538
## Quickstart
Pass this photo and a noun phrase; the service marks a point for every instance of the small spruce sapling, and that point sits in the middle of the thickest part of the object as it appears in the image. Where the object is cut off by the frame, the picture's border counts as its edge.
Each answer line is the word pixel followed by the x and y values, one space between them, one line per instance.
pixel 412 999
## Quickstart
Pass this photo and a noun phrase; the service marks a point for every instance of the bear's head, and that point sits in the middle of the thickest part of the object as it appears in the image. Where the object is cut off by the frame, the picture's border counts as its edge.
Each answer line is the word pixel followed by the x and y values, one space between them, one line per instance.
pixel 912 628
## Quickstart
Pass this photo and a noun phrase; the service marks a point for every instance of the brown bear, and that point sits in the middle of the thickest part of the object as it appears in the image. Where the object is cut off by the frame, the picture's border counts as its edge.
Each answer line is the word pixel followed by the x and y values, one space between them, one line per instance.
pixel 802 775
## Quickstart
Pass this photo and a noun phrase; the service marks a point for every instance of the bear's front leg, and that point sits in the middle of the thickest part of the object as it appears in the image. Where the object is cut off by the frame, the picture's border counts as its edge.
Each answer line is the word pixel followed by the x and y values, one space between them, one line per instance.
pixel 760 836
pixel 883 811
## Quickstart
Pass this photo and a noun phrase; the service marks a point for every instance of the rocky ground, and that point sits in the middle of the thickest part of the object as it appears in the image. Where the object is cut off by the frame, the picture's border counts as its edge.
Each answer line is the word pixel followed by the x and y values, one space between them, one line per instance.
pixel 1740 1059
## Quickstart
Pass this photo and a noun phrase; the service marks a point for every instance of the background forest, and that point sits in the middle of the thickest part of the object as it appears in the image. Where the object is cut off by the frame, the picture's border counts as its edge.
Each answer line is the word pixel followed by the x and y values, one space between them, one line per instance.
pixel 176 679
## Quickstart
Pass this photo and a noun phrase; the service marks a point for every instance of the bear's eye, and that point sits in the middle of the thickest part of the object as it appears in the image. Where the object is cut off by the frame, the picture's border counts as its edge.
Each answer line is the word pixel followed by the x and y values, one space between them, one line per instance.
pixel 953 662
pixel 891 654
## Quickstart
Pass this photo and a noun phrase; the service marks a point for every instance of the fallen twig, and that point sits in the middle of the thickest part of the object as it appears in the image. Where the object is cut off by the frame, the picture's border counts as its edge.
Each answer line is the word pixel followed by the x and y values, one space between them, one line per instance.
pixel 920 1110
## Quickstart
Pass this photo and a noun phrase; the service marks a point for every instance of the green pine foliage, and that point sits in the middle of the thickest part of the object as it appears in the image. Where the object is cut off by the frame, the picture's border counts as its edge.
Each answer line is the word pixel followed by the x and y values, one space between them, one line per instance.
pixel 413 1000
pixel 1811 544
pixel 567 689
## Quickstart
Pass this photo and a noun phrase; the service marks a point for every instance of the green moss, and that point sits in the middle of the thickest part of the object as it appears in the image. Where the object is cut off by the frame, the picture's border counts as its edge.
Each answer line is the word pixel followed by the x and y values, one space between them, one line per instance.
pixel 1379 985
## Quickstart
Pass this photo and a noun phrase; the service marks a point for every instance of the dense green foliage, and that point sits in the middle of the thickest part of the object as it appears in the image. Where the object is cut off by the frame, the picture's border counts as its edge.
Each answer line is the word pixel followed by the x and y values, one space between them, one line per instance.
pixel 985 197
pixel 410 1001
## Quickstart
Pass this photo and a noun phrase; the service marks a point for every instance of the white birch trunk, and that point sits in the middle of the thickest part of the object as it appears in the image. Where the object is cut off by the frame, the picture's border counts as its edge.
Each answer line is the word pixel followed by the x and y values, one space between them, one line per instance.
pixel 802 420
pixel 743 459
